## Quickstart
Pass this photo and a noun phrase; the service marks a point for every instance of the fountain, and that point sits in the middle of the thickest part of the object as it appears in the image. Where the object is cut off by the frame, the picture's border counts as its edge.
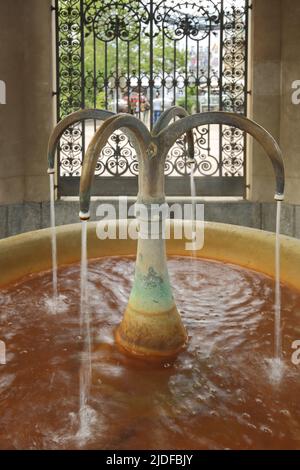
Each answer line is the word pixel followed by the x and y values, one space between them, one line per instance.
pixel 151 325
pixel 209 386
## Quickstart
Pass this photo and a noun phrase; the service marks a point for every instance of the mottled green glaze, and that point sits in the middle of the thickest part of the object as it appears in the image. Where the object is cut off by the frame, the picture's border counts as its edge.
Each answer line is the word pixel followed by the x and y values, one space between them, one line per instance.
pixel 151 292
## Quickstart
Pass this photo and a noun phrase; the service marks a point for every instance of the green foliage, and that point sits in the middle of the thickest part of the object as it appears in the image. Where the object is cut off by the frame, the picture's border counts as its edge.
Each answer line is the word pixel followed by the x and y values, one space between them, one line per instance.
pixel 133 58
pixel 191 103
pixel 101 59
pixel 139 56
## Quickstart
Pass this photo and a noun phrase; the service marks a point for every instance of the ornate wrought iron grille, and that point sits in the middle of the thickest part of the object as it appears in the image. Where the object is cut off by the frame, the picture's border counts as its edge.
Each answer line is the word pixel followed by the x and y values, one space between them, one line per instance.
pixel 142 56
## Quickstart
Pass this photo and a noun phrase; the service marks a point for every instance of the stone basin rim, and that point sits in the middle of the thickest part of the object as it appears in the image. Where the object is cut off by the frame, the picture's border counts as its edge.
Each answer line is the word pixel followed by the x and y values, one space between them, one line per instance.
pixel 254 249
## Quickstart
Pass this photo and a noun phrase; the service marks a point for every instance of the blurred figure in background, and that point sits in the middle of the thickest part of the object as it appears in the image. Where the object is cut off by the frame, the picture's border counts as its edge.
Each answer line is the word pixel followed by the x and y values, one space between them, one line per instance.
pixel 157 107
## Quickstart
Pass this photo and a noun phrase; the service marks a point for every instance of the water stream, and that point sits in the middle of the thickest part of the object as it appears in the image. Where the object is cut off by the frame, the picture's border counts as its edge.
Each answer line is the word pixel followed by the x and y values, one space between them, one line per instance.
pixel 86 362
pixel 277 365
pixel 278 345
pixel 53 242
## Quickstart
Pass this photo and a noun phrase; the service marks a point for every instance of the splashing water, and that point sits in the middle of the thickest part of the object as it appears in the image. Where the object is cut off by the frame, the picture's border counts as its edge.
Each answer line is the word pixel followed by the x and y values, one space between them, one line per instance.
pixel 86 365
pixel 219 393
pixel 275 369
pixel 53 243
pixel 278 345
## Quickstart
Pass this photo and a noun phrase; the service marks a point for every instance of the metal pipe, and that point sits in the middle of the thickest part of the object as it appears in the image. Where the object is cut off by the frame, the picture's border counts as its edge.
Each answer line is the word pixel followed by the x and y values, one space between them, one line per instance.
pixel 167 137
pixel 164 120
pixel 60 128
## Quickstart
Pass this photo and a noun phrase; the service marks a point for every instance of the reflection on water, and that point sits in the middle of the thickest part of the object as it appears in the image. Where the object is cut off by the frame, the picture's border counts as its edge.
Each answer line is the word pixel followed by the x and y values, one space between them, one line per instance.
pixel 222 392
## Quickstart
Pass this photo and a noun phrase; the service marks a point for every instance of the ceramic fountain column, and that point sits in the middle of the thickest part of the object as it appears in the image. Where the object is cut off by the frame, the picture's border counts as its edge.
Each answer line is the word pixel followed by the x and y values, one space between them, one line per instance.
pixel 151 325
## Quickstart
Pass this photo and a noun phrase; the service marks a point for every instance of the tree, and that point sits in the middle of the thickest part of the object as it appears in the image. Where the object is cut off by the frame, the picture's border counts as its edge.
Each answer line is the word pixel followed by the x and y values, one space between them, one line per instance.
pixel 132 59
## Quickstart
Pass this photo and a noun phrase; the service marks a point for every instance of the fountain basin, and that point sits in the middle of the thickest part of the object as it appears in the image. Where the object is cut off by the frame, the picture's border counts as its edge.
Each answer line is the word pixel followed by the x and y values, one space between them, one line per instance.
pixel 220 392
pixel 250 248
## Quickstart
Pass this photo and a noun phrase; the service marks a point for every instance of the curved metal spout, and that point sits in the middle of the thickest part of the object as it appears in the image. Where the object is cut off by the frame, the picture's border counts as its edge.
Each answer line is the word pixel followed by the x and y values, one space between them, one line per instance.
pixel 141 140
pixel 151 165
pixel 167 137
pixel 164 120
pixel 78 116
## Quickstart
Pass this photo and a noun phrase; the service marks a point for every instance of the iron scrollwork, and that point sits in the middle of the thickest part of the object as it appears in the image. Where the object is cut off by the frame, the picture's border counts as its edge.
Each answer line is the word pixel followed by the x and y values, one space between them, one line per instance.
pixel 118 55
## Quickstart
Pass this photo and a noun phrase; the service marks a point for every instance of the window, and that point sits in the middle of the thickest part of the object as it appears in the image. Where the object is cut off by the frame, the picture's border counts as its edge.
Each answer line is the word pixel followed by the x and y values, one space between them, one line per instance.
pixel 143 56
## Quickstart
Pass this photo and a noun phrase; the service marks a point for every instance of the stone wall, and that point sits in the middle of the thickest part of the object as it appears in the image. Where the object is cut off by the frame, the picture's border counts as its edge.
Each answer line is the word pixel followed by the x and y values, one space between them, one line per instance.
pixel 275 56
pixel 12 164
pixel 19 218
pixel 289 112
pixel 26 119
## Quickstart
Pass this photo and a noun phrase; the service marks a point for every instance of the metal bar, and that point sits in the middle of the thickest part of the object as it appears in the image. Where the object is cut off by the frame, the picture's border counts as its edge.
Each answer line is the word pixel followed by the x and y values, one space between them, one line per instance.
pixel 151 82
pixel 209 71
pixel 163 71
pixel 117 74
pixel 57 61
pixel 58 117
pixel 139 78
pixel 221 85
pixel 186 73
pixel 246 91
pixel 174 75
pixel 105 76
pixel 197 79
pixel 82 54
pixel 209 84
pixel 207 186
pixel 82 49
pixel 95 75
pixel 128 78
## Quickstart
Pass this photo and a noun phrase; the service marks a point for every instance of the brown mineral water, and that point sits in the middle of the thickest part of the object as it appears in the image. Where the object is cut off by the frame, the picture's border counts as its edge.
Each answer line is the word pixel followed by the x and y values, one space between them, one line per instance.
pixel 219 393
